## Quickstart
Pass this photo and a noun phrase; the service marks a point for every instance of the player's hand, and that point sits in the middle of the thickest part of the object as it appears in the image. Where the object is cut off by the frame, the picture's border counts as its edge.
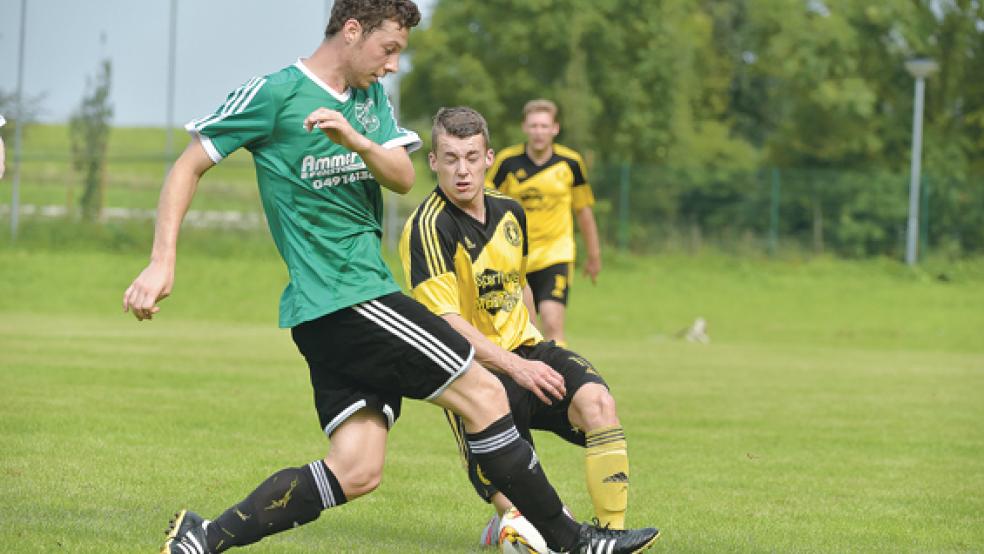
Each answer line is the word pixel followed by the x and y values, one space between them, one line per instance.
pixel 592 268
pixel 150 287
pixel 539 378
pixel 334 125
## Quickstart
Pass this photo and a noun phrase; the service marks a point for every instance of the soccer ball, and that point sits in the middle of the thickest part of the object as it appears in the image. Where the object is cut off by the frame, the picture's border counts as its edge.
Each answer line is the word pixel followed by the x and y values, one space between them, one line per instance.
pixel 518 536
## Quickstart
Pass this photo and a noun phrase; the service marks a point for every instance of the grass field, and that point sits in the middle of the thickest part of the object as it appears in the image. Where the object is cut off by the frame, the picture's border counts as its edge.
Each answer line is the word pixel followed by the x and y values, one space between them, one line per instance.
pixel 839 407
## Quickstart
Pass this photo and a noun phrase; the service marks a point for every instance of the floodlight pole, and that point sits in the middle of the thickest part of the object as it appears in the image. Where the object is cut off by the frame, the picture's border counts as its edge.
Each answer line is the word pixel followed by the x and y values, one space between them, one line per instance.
pixel 171 64
pixel 920 68
pixel 18 129
pixel 391 223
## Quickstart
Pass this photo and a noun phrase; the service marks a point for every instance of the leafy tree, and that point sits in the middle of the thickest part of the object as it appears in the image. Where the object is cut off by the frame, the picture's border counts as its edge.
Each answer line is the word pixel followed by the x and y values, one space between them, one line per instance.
pixel 89 132
pixel 702 97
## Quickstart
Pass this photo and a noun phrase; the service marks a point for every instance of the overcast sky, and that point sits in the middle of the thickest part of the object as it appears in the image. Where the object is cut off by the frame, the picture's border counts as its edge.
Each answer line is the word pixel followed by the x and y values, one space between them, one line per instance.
pixel 220 45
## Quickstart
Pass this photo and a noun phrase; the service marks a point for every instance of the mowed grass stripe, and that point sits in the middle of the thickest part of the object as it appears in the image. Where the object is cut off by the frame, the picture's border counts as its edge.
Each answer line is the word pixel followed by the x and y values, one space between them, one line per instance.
pixel 758 442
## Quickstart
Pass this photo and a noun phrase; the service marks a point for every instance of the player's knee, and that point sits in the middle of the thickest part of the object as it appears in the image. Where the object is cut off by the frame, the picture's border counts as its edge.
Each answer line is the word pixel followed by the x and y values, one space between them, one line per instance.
pixel 594 407
pixel 487 400
pixel 357 477
pixel 366 480
pixel 360 480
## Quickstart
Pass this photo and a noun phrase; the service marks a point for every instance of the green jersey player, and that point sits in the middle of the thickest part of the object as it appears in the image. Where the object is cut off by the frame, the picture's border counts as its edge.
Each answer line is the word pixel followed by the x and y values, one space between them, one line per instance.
pixel 324 140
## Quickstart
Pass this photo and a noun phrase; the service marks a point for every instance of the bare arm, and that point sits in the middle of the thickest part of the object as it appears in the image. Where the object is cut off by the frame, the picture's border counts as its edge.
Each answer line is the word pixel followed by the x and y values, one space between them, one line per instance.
pixel 390 166
pixel 530 302
pixel 2 158
pixel 589 230
pixel 532 375
pixel 156 280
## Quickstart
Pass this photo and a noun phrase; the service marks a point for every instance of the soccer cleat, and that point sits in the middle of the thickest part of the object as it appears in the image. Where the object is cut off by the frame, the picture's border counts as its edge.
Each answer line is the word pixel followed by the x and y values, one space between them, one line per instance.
pixel 186 535
pixel 490 535
pixel 594 539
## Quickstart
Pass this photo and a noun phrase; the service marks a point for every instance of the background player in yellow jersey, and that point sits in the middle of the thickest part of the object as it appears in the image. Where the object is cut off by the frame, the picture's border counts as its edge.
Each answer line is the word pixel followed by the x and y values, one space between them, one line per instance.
pixel 464 253
pixel 551 183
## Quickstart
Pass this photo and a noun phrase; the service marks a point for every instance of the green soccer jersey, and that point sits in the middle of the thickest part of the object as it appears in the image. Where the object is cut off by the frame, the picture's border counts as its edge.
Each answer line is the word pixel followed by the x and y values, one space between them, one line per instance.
pixel 324 208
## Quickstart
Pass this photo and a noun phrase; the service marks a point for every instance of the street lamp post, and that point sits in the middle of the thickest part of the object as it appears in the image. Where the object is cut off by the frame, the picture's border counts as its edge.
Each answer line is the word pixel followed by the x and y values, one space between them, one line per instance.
pixel 920 69
pixel 19 129
pixel 172 34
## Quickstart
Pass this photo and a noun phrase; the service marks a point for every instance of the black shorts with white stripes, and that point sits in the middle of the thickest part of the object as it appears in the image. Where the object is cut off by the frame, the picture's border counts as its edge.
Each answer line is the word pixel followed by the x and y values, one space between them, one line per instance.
pixel 373 354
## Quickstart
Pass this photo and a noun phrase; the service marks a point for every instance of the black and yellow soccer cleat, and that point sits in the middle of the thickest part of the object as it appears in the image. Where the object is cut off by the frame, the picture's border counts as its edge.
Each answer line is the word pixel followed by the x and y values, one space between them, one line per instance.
pixel 594 539
pixel 186 535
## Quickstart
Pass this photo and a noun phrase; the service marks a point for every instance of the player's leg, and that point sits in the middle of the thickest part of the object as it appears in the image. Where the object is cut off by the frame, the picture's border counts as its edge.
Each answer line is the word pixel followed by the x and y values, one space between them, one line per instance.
pixel 506 459
pixel 426 359
pixel 295 496
pixel 606 458
pixel 510 463
pixel 551 288
pixel 552 314
pixel 588 417
pixel 354 415
pixel 519 404
pixel 483 487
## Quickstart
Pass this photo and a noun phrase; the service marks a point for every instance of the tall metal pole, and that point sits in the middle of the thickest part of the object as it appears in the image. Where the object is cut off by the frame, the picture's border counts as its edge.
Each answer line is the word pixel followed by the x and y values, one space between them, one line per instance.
pixel 920 69
pixel 624 184
pixel 912 231
pixel 391 200
pixel 774 213
pixel 18 129
pixel 171 63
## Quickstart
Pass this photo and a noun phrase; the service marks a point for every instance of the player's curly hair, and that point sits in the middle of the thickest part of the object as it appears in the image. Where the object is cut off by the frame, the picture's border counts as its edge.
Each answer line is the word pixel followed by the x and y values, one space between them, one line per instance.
pixel 461 122
pixel 371 14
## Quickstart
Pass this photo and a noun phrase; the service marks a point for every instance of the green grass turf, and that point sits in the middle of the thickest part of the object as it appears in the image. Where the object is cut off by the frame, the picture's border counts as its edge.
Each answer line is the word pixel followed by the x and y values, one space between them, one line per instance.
pixel 838 409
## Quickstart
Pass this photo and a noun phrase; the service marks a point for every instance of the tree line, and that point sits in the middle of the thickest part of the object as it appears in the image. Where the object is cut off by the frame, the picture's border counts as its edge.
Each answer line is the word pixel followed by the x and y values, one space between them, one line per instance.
pixel 704 99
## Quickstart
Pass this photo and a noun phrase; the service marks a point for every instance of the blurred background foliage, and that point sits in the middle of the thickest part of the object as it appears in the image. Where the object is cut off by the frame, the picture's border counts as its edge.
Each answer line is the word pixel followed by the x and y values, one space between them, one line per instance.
pixel 765 126
pixel 712 110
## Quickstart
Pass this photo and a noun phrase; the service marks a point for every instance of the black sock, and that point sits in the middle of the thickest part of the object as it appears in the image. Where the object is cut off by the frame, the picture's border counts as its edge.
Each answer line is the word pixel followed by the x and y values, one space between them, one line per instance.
pixel 512 466
pixel 288 498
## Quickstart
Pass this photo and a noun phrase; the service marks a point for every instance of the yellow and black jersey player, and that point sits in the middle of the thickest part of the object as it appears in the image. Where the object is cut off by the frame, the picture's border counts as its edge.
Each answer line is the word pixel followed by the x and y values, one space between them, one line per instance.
pixel 464 253
pixel 459 265
pixel 550 181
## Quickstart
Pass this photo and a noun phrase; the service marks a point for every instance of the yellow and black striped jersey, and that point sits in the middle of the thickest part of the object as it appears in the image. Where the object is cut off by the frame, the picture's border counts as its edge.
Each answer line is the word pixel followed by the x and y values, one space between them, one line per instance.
pixel 550 194
pixel 455 264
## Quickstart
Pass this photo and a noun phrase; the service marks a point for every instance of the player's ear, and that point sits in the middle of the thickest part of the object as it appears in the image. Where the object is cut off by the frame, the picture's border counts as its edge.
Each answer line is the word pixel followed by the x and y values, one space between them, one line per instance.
pixel 432 161
pixel 351 31
pixel 489 158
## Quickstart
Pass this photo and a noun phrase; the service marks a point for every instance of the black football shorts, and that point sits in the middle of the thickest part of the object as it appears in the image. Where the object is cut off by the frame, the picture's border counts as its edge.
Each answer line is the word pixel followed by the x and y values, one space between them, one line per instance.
pixel 373 354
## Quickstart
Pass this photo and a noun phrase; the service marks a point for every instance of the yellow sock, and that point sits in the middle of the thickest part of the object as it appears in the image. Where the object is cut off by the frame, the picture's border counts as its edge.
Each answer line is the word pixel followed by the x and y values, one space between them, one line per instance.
pixel 606 463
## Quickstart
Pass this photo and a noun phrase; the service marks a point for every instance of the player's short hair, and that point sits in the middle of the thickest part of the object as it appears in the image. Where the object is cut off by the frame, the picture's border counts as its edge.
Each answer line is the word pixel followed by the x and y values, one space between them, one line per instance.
pixel 460 122
pixel 540 105
pixel 371 14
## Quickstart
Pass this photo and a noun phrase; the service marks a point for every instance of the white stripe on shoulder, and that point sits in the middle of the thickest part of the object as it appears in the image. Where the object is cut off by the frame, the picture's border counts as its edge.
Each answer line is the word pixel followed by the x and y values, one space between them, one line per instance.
pixel 235 105
pixel 225 107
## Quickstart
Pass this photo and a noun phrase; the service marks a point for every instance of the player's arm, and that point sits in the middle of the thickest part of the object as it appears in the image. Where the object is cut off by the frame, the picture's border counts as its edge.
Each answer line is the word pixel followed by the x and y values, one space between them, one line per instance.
pixel 156 280
pixel 532 375
pixel 2 158
pixel 589 230
pixel 530 303
pixel 390 166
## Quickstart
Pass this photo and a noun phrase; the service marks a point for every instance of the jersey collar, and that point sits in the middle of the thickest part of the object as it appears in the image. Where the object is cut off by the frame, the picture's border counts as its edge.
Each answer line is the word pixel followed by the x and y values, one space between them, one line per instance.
pixel 340 96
